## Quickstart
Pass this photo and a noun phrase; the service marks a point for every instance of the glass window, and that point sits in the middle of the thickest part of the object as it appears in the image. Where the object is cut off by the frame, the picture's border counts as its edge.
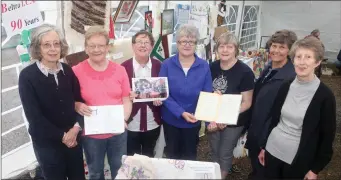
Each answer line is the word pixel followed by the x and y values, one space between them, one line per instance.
pixel 174 5
pixel 249 27
pixel 135 24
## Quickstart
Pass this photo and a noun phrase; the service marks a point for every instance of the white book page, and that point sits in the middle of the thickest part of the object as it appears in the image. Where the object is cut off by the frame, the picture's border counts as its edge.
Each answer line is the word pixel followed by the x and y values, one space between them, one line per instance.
pixel 229 109
pixel 207 106
pixel 104 120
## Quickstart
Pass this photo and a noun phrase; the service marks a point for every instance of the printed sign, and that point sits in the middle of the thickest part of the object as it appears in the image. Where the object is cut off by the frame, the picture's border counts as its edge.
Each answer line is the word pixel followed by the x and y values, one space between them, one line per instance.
pixel 20 15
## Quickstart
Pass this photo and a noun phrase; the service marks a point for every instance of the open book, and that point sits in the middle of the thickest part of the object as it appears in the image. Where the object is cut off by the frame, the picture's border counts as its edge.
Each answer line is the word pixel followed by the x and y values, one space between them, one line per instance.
pixel 217 108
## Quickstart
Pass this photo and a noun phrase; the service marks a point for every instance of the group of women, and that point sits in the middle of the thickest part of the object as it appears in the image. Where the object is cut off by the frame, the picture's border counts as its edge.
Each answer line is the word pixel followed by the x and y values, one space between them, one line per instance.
pixel 289 114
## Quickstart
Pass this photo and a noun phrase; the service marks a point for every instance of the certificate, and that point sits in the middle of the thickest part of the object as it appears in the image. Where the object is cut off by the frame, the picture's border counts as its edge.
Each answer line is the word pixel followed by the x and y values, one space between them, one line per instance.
pixel 217 108
pixel 105 120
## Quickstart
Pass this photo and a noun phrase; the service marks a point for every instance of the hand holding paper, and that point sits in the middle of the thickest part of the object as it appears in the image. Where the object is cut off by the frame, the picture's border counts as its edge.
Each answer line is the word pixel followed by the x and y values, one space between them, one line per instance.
pixel 104 120
pixel 223 109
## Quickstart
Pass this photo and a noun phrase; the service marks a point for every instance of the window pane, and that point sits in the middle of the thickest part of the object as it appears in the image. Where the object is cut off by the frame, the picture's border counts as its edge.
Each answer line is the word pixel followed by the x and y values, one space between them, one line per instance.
pixel 234 26
pixel 137 15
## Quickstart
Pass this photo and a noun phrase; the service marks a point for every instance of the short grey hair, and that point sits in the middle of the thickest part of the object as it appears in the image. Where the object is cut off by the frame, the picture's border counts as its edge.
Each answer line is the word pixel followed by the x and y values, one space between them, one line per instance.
pixel 188 31
pixel 94 31
pixel 228 38
pixel 310 43
pixel 37 35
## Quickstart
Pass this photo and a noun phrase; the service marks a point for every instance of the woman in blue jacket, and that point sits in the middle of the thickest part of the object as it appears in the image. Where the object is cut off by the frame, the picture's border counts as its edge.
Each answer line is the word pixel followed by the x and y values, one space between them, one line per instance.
pixel 187 75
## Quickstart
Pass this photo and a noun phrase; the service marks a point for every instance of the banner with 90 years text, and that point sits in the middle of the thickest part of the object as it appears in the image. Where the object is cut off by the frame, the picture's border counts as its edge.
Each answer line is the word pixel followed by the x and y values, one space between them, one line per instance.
pixel 20 15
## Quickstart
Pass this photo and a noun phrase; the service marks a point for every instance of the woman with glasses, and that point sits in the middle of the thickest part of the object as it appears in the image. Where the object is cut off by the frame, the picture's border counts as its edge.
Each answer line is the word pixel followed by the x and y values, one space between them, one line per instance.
pixel 145 119
pixel 48 90
pixel 102 82
pixel 279 69
pixel 187 75
pixel 230 76
pixel 299 141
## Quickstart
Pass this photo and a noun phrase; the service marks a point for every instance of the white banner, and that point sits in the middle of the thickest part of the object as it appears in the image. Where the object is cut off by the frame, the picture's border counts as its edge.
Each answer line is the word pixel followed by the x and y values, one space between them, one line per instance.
pixel 20 15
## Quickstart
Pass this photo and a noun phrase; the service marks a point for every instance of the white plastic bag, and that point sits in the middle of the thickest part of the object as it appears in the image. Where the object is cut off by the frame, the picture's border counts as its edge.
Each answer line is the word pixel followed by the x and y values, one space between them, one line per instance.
pixel 160 144
pixel 240 151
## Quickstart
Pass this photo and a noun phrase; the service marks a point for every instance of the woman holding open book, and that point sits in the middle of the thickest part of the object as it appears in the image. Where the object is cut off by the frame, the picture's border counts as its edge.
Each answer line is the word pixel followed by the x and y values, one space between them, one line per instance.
pixel 187 75
pixel 230 76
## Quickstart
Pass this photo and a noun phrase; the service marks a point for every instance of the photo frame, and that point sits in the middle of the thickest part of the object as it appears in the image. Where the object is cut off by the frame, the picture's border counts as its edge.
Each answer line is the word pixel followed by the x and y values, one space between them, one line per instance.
pixel 125 11
pixel 148 21
pixel 167 22
pixel 150 89
pixel 263 41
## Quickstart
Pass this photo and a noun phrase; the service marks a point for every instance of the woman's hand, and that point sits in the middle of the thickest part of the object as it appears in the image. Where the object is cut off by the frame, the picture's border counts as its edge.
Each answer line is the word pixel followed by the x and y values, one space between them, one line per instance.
pixel 310 175
pixel 218 92
pixel 82 109
pixel 70 138
pixel 189 117
pixel 157 103
pixel 221 126
pixel 261 157
pixel 132 95
pixel 212 127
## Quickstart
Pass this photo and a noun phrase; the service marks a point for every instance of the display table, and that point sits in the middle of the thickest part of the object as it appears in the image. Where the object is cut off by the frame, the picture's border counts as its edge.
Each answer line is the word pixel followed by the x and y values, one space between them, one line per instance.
pixel 143 167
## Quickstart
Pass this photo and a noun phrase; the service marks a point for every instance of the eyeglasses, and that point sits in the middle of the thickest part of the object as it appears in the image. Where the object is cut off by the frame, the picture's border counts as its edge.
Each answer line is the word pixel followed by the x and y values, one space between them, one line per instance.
pixel 49 46
pixel 191 43
pixel 140 43
pixel 93 46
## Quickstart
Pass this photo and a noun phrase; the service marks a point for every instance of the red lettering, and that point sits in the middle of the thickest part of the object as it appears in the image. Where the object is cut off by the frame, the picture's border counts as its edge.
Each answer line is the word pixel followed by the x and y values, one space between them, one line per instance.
pixel 16 24
pixel 19 23
pixel 13 25
pixel 3 8
pixel 26 2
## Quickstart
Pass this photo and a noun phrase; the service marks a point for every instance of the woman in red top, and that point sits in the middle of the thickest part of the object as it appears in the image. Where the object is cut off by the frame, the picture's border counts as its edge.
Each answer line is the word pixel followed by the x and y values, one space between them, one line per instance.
pixel 102 82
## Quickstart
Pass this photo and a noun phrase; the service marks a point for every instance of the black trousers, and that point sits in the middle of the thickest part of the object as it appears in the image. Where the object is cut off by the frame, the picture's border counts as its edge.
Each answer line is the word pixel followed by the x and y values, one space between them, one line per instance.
pixel 277 169
pixel 58 162
pixel 142 142
pixel 254 150
pixel 181 143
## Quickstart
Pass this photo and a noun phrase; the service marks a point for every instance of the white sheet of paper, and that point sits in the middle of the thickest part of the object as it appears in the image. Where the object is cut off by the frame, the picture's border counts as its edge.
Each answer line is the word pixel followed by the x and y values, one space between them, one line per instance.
pixel 229 109
pixel 205 170
pixel 104 120
pixel 208 104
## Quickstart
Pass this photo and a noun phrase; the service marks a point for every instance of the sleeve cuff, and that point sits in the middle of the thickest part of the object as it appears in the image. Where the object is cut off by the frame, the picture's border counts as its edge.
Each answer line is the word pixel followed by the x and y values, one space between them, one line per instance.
pixel 77 125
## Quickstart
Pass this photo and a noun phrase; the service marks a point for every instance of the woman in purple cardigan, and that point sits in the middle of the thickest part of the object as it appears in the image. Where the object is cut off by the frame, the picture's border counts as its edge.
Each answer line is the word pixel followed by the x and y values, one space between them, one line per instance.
pixel 145 119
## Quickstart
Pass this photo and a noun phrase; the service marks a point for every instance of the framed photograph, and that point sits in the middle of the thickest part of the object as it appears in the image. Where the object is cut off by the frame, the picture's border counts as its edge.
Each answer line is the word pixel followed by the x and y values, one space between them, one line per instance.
pixel 263 41
pixel 167 22
pixel 150 89
pixel 124 11
pixel 148 21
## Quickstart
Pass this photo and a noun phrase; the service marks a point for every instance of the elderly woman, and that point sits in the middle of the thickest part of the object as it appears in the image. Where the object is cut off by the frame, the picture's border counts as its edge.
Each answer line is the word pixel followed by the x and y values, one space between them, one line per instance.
pixel 145 119
pixel 299 142
pixel 48 90
pixel 187 75
pixel 279 69
pixel 230 76
pixel 102 82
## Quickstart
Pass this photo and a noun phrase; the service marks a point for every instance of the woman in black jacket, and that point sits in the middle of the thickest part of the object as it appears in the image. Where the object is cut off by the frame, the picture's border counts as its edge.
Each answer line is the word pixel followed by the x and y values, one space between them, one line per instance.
pixel 300 137
pixel 48 90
